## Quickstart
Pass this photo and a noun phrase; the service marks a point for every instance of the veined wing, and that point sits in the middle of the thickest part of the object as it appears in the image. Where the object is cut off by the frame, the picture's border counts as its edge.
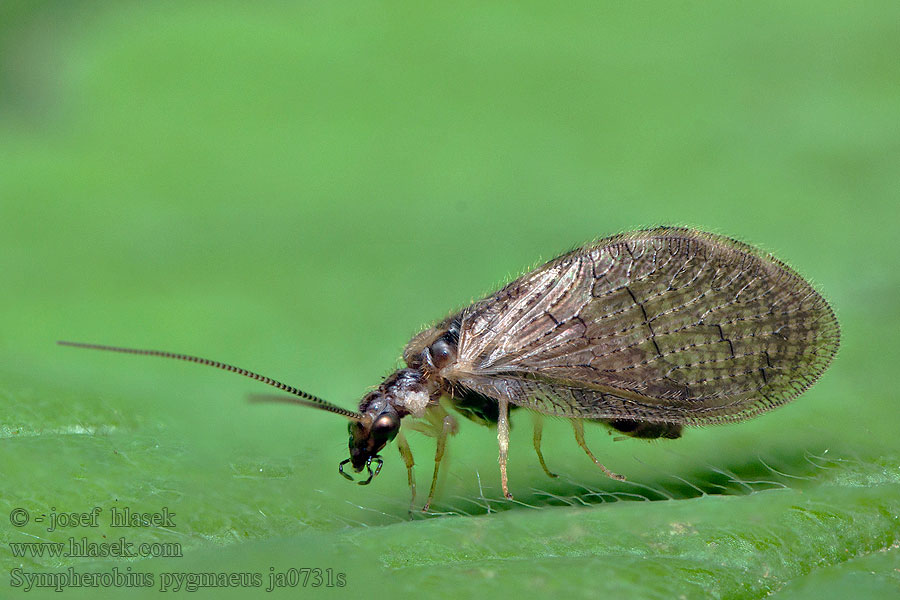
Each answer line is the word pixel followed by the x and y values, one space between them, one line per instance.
pixel 666 324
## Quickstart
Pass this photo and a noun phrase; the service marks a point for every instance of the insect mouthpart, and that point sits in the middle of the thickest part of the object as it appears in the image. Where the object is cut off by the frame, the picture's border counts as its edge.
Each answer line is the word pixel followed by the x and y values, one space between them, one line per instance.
pixel 368 465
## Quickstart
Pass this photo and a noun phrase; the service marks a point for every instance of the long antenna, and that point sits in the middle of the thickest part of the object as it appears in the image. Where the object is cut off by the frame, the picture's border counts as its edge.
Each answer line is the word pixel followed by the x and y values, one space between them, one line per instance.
pixel 307 399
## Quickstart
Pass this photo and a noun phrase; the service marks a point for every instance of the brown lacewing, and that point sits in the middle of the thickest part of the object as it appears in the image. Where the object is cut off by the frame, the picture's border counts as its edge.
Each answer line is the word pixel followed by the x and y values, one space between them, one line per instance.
pixel 645 332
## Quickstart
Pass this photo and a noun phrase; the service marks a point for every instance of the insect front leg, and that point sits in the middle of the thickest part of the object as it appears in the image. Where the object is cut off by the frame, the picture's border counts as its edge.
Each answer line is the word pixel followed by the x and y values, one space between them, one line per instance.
pixel 448 426
pixel 579 437
pixel 538 431
pixel 406 454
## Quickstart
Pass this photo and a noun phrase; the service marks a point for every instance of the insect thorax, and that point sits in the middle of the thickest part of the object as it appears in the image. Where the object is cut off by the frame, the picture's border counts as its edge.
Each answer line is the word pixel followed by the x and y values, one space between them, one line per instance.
pixel 407 391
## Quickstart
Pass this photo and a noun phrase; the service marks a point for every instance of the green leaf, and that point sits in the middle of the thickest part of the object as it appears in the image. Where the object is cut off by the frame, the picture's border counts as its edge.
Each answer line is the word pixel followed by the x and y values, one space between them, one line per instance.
pixel 298 189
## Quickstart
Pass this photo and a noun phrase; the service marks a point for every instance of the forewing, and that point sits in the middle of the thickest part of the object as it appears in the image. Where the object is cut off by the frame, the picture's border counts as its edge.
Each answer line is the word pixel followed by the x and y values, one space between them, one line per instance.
pixel 661 325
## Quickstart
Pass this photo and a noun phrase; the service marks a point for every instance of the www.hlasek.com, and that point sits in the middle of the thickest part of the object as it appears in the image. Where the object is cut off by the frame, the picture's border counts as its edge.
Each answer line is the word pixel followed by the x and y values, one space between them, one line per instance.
pixel 176 581
pixel 84 548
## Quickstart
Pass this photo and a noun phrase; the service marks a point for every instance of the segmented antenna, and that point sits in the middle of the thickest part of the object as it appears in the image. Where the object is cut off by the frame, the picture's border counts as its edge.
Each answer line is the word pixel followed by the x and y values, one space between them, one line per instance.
pixel 305 398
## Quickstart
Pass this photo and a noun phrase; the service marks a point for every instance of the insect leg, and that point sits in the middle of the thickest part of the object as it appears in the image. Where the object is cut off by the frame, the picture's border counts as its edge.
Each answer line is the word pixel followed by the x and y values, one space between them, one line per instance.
pixel 449 426
pixel 406 454
pixel 503 441
pixel 579 437
pixel 538 430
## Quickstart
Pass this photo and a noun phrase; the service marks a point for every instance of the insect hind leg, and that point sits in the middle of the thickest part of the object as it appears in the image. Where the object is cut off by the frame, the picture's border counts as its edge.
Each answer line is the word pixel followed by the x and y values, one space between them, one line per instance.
pixel 538 431
pixel 579 437
pixel 503 442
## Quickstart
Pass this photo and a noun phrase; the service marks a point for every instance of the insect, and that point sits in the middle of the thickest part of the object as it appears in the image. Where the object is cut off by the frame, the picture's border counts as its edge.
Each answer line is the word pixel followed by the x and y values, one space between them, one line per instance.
pixel 645 332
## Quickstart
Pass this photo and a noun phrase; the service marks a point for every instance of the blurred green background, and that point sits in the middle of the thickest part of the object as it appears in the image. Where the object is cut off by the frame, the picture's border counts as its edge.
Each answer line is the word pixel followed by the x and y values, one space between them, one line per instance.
pixel 297 188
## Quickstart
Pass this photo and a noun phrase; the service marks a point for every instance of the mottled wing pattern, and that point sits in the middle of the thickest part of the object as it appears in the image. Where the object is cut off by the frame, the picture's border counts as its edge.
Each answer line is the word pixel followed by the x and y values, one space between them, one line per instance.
pixel 660 325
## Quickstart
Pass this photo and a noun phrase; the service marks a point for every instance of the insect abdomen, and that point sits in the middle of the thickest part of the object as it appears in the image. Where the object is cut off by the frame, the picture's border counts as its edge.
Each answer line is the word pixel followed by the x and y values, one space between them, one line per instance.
pixel 644 429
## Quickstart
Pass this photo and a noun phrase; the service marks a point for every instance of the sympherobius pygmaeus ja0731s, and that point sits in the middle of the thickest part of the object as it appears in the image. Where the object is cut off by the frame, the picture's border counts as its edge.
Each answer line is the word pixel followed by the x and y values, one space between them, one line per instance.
pixel 646 332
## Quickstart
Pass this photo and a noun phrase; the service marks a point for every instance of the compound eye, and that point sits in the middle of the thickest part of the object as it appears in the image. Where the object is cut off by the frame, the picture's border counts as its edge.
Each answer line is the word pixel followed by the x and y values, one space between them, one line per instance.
pixel 441 353
pixel 385 427
pixel 387 421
